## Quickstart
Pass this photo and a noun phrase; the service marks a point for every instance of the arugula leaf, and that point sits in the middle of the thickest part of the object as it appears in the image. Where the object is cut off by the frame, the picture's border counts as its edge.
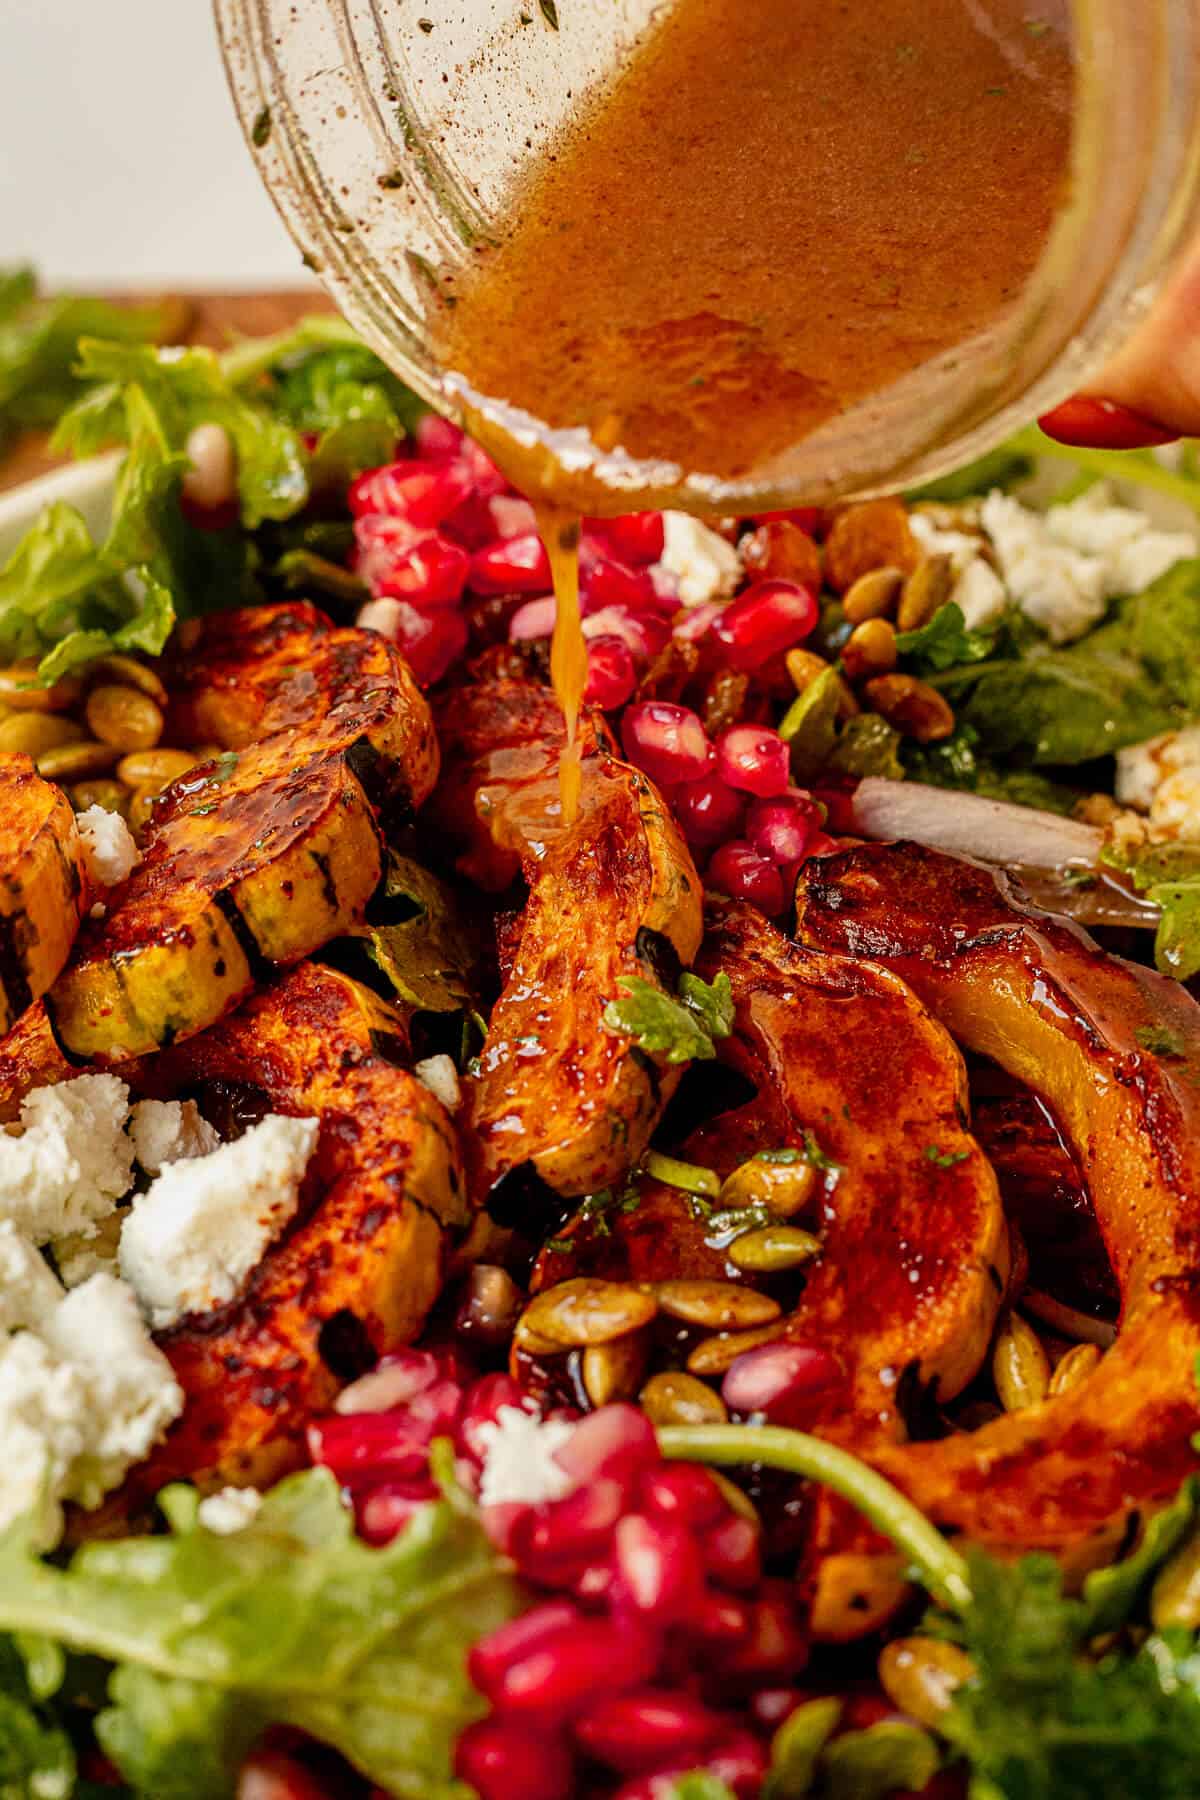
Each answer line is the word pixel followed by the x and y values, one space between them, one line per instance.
pixel 871 1764
pixel 352 404
pixel 38 341
pixel 1169 876
pixel 944 641
pixel 1111 1594
pixel 680 1029
pixel 37 1761
pixel 956 763
pixel 289 1621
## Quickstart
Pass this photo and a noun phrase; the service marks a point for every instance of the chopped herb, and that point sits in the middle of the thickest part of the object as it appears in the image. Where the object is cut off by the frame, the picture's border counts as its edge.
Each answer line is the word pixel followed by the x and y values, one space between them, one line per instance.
pixel 260 131
pixel 945 1159
pixel 550 13
pixel 1160 1040
pixel 681 1030
pixel 425 25
pixel 814 1154
pixel 200 812
pixel 944 641
pixel 1169 876
pixel 785 1156
pixel 560 1246
pixel 223 766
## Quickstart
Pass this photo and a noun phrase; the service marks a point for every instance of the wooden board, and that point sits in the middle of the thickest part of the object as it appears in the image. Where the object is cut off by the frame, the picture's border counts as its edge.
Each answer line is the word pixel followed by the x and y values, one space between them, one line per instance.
pixel 213 319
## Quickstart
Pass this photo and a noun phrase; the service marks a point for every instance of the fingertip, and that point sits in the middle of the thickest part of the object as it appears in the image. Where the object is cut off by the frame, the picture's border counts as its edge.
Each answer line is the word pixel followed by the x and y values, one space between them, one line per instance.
pixel 1084 422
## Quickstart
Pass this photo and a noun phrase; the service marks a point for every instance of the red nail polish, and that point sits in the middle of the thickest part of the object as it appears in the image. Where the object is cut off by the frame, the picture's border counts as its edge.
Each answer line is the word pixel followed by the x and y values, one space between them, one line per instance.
pixel 1093 424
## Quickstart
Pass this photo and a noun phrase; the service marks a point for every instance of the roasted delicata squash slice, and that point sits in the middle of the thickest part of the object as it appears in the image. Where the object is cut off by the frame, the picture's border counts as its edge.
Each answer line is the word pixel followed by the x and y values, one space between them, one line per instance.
pixel 556 1092
pixel 1114 1050
pixel 914 1249
pixel 263 854
pixel 43 885
pixel 358 1273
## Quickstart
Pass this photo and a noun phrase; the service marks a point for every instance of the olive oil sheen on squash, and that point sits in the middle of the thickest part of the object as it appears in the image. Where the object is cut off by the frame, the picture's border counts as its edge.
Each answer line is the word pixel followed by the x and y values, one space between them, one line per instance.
pixel 778 209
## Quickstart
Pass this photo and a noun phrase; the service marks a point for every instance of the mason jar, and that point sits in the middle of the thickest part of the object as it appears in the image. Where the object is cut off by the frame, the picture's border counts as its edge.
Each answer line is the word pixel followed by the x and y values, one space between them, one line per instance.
pixel 392 135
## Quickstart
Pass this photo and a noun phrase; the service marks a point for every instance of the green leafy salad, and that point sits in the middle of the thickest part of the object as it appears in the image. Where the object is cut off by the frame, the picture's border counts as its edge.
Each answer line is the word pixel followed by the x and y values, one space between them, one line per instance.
pixel 401 1619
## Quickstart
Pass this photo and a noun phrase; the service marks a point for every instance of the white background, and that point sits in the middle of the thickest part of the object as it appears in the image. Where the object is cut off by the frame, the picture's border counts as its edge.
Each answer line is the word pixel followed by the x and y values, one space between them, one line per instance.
pixel 122 164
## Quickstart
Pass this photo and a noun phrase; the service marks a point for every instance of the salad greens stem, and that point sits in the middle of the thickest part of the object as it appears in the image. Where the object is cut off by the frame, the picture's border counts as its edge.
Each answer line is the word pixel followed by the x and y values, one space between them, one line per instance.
pixel 1113 465
pixel 942 1570
pixel 253 356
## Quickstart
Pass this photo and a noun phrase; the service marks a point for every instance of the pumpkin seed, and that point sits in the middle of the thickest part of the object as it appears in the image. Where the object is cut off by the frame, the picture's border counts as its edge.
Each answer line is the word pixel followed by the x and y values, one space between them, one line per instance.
pixel 129 672
pixel 784 1187
pixel 612 1371
pixel 123 717
pixel 870 649
pixel 714 1355
pixel 108 794
pixel 36 732
pixel 67 762
pixel 716 1305
pixel 141 807
pixel 19 689
pixel 913 707
pixel 141 767
pixel 925 592
pixel 805 667
pixel 1020 1366
pixel 773 1248
pixel 919 1675
pixel 582 1311
pixel 1073 1368
pixel 675 1398
pixel 873 595
pixel 1175 1596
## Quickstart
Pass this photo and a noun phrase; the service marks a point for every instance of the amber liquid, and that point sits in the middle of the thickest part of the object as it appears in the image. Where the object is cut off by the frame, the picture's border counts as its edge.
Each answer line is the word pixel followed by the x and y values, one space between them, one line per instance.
pixel 778 210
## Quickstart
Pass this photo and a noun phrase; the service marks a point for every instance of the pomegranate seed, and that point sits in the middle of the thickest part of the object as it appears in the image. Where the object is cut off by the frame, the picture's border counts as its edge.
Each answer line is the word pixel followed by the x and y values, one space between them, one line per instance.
pixel 517 565
pixel 500 1520
pixel 488 479
pixel 741 1763
pixel 437 438
pixel 732 1552
pixel 430 642
pixel 492 1657
pixel 658 1567
pixel 612 675
pixel 502 1761
pixel 564 1674
pixel 698 622
pixel 367 1444
pixel 769 617
pixel 511 516
pixel 666 741
pixel 786 1382
pixel 533 619
pixel 641 1730
pixel 603 582
pixel 636 538
pixel 708 810
pixel 643 634
pixel 572 1530
pixel 782 829
pixel 383 1512
pixel 421 493
pixel 776 1645
pixel 482 1407
pixel 616 1441
pixel 753 758
pixel 418 566
pixel 684 1493
pixel 596 1585
pixel 270 1775
pixel 738 870
pixel 393 1383
pixel 720 1618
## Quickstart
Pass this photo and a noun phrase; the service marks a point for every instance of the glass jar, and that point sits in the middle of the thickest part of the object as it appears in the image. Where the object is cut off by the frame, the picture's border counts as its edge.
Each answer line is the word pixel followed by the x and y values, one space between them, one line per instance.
pixel 390 141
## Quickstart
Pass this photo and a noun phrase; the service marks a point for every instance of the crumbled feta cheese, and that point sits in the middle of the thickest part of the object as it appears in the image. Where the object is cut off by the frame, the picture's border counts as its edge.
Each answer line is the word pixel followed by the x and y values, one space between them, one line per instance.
pixel 962 547
pixel 84 1395
pixel 76 1256
pixel 28 1289
pixel 70 1159
pixel 190 1242
pixel 518 1464
pixel 229 1511
pixel 1161 777
pixel 704 566
pixel 440 1076
pixel 1064 566
pixel 168 1131
pixel 108 847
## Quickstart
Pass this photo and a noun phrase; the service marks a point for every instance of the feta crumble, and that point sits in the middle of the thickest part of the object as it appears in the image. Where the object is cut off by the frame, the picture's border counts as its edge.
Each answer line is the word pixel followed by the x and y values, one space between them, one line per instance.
pixel 518 1464
pixel 1161 777
pixel 703 565
pixel 440 1076
pixel 168 1131
pixel 108 847
pixel 84 1395
pixel 230 1510
pixel 192 1240
pixel 69 1160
